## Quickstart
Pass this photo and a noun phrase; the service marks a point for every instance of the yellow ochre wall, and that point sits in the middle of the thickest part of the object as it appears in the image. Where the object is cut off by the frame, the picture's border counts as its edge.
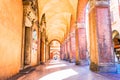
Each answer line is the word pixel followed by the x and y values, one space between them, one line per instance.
pixel 11 15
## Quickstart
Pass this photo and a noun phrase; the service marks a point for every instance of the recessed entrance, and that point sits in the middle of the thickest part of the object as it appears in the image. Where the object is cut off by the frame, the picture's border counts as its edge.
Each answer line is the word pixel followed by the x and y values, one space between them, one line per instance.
pixel 55 50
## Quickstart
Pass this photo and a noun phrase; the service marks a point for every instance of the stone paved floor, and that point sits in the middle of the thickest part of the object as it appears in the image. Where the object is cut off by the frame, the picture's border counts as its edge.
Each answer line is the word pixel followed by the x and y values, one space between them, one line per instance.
pixel 61 70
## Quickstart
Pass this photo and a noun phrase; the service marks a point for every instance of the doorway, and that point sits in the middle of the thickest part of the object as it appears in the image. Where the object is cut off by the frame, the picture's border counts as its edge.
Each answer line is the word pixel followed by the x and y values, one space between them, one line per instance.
pixel 55 50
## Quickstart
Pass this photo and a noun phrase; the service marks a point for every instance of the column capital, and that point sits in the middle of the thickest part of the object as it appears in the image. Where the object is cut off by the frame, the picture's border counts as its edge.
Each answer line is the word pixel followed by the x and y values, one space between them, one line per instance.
pixel 99 3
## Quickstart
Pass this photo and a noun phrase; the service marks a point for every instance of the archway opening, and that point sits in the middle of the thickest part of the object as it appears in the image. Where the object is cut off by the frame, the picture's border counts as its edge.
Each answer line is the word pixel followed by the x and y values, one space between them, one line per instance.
pixel 55 50
pixel 116 42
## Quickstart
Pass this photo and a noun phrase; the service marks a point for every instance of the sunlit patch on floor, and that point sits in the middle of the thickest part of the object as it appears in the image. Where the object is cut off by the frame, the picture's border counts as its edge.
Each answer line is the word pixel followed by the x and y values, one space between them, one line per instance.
pixel 55 66
pixel 60 75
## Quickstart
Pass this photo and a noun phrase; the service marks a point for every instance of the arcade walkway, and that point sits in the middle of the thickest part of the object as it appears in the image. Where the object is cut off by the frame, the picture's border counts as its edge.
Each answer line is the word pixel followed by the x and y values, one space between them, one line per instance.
pixel 61 70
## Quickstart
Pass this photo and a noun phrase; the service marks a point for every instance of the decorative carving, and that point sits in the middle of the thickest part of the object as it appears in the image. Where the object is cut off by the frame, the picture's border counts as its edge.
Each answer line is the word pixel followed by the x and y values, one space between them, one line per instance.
pixel 30 12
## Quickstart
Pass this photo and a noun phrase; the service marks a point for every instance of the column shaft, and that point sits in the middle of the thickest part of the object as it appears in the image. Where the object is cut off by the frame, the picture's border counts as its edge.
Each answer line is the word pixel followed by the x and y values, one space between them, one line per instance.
pixel 101 47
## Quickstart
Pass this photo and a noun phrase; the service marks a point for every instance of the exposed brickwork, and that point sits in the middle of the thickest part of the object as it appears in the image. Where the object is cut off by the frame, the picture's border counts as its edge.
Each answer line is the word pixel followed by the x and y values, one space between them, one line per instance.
pixel 73 49
pixel 101 49
pixel 82 43
pixel 104 35
pixel 81 31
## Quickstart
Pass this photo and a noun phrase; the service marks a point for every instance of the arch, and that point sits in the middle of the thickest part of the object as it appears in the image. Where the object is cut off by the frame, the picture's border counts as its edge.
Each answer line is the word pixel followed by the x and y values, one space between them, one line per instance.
pixel 55 40
pixel 54 53
pixel 115 34
pixel 54 48
pixel 116 41
pixel 53 37
pixel 57 18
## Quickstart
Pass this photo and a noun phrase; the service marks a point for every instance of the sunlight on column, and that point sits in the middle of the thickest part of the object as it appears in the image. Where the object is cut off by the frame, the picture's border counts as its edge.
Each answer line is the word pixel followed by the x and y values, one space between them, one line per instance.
pixel 55 66
pixel 60 75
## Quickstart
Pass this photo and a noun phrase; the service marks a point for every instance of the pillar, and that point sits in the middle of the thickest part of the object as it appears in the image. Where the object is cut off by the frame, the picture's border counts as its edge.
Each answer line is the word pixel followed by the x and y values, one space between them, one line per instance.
pixel 70 53
pixel 60 51
pixel 68 47
pixel 47 51
pixel 72 39
pixel 39 44
pixel 43 42
pixel 81 42
pixel 42 48
pixel 101 47
pixel 63 51
pixel 72 46
pixel 65 44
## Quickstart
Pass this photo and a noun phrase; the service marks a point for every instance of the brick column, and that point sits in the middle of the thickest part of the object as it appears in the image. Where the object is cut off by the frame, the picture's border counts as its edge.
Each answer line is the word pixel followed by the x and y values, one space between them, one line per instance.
pixel 70 53
pixel 68 47
pixel 81 42
pixel 47 51
pixel 66 52
pixel 63 54
pixel 77 48
pixel 63 51
pixel 101 47
pixel 72 46
pixel 72 39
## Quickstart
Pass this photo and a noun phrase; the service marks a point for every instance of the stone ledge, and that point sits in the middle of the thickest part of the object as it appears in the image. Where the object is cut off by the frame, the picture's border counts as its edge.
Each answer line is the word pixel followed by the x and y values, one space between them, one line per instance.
pixel 77 62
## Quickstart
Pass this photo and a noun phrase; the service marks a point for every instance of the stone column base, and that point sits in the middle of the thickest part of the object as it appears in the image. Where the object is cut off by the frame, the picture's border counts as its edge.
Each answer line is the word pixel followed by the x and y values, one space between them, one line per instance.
pixel 108 68
pixel 84 62
pixel 77 62
pixel 42 63
pixel 103 68
pixel 66 59
pixel 70 60
pixel 93 66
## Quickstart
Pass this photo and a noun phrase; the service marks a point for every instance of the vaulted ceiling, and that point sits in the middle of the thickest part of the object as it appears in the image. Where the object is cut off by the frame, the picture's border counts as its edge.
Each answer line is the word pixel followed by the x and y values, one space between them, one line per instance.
pixel 58 14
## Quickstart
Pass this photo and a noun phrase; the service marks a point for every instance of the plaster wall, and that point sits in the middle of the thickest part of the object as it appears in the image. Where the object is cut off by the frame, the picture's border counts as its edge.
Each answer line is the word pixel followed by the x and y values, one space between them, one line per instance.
pixel 11 15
